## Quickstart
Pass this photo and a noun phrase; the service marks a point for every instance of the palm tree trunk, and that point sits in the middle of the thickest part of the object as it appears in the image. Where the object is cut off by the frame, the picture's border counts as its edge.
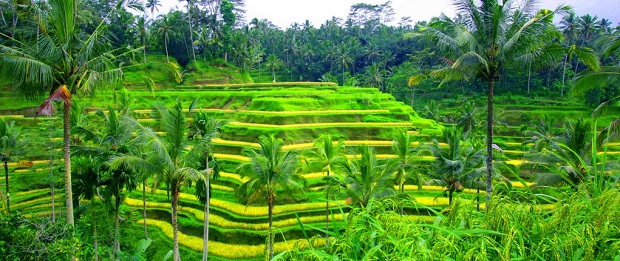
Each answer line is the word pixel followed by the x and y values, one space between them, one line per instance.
pixel 205 247
pixel 6 181
pixel 67 156
pixel 402 189
pixel 117 245
pixel 450 196
pixel 327 217
pixel 412 97
pixel 270 241
pixel 529 77
pixel 191 33
pixel 146 233
pixel 564 73
pixel 175 225
pixel 489 158
pixel 52 185
pixel 166 46
pixel 95 245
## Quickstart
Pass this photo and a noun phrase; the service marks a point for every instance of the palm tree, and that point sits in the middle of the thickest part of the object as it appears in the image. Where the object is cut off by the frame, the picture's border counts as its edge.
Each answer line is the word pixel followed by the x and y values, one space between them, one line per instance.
pixel 491 35
pixel 366 177
pixel 72 63
pixel 344 59
pixel 468 119
pixel 153 5
pixel 189 22
pixel 273 63
pixel 167 156
pixel 87 181
pixel 205 129
pixel 325 155
pixel 164 31
pixel 460 165
pixel 114 141
pixel 270 169
pixel 403 164
pixel 10 146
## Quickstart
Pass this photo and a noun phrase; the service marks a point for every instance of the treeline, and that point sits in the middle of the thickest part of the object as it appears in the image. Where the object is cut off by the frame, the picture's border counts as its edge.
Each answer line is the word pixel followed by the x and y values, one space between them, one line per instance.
pixel 360 49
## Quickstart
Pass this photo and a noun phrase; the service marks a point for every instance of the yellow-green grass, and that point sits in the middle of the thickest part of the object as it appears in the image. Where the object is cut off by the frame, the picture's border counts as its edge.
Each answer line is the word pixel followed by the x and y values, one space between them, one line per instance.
pixel 256 211
pixel 232 251
pixel 31 170
pixel 322 125
pixel 33 162
pixel 38 201
pixel 300 146
pixel 42 213
pixel 232 157
pixel 221 222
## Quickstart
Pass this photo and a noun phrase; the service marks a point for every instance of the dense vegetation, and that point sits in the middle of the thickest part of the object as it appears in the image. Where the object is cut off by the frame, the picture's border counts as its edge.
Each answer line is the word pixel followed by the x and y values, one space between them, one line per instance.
pixel 246 141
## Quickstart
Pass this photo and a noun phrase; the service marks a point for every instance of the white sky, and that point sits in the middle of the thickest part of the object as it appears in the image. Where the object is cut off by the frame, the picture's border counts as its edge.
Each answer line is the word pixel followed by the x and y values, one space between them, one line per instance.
pixel 284 12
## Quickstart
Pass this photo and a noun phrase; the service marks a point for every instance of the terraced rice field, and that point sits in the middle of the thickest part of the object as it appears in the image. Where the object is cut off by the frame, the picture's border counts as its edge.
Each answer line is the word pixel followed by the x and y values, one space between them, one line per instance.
pixel 296 112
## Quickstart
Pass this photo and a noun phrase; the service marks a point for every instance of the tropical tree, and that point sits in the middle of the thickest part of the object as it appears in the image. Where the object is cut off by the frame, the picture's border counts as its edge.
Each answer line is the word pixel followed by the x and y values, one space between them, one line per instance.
pixel 153 5
pixel 270 170
pixel 86 183
pixel 167 156
pixel 344 59
pixel 366 177
pixel 460 165
pixel 273 63
pixel 491 35
pixel 324 155
pixel 403 164
pixel 72 62
pixel 10 146
pixel 164 30
pixel 111 141
pixel 191 30
pixel 205 129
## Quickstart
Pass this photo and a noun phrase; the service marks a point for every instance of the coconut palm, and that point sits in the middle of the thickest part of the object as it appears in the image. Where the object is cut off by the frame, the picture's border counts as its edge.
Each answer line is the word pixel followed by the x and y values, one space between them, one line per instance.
pixel 64 62
pixel 113 140
pixel 491 35
pixel 86 182
pixel 273 63
pixel 324 155
pixel 460 165
pixel 366 177
pixel 271 170
pixel 153 5
pixel 10 146
pixel 189 22
pixel 403 164
pixel 205 129
pixel 344 59
pixel 167 156
pixel 165 31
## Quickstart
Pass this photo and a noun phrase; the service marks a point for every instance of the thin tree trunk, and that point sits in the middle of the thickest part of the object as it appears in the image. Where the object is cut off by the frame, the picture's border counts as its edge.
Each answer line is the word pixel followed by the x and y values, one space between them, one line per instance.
pixel 191 33
pixel 166 45
pixel 564 74
pixel 402 189
pixel 52 185
pixel 117 245
pixel 450 197
pixel 529 77
pixel 67 156
pixel 175 225
pixel 95 245
pixel 146 233
pixel 489 158
pixel 205 247
pixel 478 196
pixel 412 97
pixel 327 217
pixel 270 242
pixel 6 181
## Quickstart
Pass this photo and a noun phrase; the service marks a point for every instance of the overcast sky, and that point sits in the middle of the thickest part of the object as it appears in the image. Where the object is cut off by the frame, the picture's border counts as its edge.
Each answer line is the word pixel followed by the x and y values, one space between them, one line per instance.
pixel 284 12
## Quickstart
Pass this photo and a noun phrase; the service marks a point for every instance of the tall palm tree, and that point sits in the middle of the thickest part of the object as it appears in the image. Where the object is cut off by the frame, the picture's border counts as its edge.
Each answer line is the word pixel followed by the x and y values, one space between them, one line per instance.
pixel 167 156
pixel 87 181
pixel 344 59
pixel 10 146
pixel 271 170
pixel 492 34
pixel 113 141
pixel 273 63
pixel 324 155
pixel 403 164
pixel 459 165
pixel 203 130
pixel 153 5
pixel 366 177
pixel 72 62
pixel 164 30
pixel 189 22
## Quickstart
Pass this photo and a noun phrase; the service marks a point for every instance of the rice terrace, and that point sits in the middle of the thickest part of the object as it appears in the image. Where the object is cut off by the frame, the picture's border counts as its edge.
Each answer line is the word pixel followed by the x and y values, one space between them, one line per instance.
pixel 153 130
